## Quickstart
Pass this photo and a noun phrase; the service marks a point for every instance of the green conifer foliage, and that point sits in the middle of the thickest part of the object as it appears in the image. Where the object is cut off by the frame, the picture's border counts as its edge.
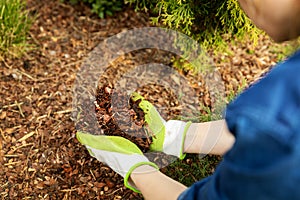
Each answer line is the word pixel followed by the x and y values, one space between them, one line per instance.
pixel 211 22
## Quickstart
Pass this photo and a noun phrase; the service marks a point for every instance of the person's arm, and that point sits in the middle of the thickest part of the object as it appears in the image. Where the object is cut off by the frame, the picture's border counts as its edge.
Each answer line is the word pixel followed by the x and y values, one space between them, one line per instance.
pixel 208 138
pixel 155 185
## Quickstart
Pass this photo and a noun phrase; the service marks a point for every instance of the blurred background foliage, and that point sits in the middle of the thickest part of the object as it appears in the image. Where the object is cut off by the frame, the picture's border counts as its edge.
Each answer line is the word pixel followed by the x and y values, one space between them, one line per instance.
pixel 102 8
pixel 14 27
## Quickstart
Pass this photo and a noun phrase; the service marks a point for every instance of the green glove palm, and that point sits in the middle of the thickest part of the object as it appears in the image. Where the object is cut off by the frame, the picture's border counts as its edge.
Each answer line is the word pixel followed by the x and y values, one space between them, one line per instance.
pixel 118 153
pixel 168 135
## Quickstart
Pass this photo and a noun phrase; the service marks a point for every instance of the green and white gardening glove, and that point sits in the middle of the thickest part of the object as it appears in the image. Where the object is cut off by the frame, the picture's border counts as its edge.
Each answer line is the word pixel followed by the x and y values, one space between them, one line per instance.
pixel 118 153
pixel 169 135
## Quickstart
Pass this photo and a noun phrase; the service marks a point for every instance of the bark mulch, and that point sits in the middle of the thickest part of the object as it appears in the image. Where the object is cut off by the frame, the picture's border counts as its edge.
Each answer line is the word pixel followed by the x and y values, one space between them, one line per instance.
pixel 40 157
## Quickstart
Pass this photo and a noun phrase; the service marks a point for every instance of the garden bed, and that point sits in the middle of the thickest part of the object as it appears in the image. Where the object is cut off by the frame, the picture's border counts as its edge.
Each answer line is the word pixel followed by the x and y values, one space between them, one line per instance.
pixel 40 157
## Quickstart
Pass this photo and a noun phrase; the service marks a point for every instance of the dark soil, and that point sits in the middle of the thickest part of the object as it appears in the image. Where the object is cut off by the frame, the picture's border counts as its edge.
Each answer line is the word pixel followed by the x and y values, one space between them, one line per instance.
pixel 40 158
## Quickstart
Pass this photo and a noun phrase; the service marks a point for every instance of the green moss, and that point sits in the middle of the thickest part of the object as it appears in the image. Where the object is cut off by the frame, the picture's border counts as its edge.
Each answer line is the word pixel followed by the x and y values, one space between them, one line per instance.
pixel 192 169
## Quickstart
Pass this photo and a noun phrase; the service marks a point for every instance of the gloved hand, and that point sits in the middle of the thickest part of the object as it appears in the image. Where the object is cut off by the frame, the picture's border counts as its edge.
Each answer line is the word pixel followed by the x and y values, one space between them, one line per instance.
pixel 118 153
pixel 168 135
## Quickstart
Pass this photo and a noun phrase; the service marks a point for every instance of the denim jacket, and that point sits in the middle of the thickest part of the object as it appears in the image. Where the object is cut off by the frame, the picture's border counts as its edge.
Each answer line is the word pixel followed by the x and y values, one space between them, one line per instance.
pixel 264 162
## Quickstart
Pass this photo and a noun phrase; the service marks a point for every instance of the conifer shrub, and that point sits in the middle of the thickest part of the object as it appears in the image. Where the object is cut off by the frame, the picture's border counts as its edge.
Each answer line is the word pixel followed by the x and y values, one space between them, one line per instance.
pixel 211 22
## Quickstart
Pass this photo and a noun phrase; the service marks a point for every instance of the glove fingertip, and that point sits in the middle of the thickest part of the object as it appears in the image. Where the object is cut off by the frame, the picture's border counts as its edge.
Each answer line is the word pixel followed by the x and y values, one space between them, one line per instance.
pixel 136 96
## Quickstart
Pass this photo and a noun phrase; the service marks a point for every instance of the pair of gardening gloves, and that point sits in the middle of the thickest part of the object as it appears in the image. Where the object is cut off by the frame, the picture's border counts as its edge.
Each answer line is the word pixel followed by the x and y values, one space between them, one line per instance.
pixel 123 156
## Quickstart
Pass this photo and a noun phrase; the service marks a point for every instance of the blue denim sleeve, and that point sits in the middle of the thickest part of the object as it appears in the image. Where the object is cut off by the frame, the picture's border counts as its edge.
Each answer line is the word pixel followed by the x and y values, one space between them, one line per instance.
pixel 264 162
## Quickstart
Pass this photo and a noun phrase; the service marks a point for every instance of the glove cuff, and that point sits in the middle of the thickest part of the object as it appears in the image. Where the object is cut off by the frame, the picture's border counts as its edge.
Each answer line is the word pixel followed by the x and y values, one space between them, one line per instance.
pixel 129 184
pixel 174 137
pixel 187 126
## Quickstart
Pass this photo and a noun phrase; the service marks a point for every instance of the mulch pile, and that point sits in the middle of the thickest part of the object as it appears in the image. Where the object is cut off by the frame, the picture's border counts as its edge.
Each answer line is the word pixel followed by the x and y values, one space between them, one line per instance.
pixel 40 158
pixel 130 120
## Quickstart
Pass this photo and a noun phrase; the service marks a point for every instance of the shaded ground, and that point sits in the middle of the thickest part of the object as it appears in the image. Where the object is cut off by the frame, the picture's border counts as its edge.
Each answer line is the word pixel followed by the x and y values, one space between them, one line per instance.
pixel 39 156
